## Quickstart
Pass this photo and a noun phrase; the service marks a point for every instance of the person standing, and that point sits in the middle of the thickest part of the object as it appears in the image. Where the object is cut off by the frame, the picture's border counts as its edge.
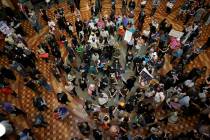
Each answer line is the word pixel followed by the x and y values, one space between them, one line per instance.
pixel 40 103
pixel 70 88
pixel 77 4
pixel 132 5
pixel 9 128
pixel 113 4
pixel 79 26
pixel 39 121
pixel 98 5
pixel 71 4
pixel 83 81
pixel 69 28
pixel 34 21
pixel 6 90
pixel 176 54
pixel 23 10
pixel 141 18
pixel 155 4
pixel 43 14
pixel 12 109
pixel 62 98
pixel 47 3
pixel 129 84
pixel 198 14
pixel 51 25
pixel 169 6
pixel 26 134
pixel 94 10
pixel 124 5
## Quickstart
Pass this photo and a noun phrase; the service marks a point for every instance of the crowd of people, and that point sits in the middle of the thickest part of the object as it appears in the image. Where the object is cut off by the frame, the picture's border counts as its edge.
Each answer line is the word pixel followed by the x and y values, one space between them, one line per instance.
pixel 119 80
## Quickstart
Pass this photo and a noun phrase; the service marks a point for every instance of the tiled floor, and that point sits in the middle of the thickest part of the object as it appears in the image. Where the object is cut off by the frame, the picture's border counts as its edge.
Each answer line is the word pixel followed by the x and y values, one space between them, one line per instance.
pixel 64 130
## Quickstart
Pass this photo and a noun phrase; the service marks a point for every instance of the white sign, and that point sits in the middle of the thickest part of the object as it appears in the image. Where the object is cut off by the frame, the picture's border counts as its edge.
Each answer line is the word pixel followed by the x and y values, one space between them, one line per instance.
pixel 128 36
pixel 5 29
pixel 146 75
pixel 176 34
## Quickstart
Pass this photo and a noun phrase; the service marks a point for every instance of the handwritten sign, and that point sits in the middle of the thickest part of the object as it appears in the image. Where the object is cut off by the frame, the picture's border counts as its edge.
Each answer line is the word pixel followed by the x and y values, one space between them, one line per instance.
pixel 128 36
pixel 176 34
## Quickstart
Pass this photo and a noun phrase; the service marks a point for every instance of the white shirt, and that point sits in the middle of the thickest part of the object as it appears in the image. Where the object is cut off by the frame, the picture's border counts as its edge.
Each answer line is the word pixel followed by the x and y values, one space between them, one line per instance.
pixel 91 25
pixel 189 83
pixel 51 24
pixel 111 41
pixel 95 57
pixel 47 1
pixel 185 101
pixel 104 34
pixel 159 97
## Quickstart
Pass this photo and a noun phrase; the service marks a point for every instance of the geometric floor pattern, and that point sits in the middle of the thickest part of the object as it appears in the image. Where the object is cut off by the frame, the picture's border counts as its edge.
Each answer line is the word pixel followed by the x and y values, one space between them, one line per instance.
pixel 64 130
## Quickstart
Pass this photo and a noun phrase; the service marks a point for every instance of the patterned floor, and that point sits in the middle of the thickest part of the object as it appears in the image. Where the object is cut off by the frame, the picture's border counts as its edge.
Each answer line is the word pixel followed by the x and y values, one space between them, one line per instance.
pixel 64 130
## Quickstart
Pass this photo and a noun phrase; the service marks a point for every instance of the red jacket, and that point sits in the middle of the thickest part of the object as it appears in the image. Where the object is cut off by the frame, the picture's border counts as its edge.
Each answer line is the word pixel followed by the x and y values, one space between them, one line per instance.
pixel 6 90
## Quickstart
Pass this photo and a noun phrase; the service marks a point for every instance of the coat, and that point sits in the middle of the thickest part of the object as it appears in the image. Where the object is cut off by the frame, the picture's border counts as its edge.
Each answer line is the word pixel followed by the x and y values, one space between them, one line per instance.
pixel 6 90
